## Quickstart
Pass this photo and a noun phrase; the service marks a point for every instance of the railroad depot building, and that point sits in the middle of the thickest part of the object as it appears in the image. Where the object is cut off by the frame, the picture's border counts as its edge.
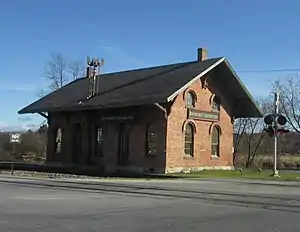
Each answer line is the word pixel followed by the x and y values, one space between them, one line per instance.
pixel 164 119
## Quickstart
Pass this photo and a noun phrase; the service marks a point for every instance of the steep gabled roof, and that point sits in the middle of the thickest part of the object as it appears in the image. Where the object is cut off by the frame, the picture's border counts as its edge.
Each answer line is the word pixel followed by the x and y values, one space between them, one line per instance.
pixel 129 88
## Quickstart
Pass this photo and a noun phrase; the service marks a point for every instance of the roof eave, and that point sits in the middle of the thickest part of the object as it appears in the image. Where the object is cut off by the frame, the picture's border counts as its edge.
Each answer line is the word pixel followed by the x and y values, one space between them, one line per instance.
pixel 258 113
pixel 23 111
pixel 28 112
pixel 257 108
pixel 173 95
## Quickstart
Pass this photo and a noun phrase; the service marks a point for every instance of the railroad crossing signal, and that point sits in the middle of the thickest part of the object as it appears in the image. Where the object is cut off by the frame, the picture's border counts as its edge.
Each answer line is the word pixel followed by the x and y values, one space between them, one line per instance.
pixel 272 121
pixel 269 119
pixel 282 131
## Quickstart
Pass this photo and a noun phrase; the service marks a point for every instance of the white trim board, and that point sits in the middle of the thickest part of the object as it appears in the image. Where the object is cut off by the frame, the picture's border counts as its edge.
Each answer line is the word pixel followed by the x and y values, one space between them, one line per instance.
pixel 171 97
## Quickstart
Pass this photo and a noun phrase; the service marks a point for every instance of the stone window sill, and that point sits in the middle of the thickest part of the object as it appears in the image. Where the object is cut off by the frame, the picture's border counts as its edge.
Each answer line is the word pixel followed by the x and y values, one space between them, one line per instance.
pixel 190 107
pixel 186 157
pixel 214 157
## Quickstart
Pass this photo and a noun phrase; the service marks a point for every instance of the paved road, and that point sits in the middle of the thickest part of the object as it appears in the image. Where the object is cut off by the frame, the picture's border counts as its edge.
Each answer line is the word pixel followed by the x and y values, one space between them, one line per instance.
pixel 130 206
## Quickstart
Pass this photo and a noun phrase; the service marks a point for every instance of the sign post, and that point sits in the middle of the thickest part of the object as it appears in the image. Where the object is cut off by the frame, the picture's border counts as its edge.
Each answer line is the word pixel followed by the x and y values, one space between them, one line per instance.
pixel 14 139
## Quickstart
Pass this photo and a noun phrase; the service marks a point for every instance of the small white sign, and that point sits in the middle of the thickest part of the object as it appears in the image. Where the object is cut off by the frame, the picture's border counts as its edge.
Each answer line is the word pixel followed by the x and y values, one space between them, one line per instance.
pixel 15 137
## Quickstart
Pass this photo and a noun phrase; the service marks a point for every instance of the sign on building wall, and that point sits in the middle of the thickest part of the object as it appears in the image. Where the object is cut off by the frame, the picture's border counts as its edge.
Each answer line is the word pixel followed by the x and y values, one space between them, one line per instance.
pixel 117 118
pixel 203 115
pixel 15 137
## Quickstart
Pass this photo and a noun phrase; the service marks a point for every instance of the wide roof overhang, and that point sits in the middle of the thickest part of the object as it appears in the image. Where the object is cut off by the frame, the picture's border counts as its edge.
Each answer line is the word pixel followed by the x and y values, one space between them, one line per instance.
pixel 221 74
pixel 243 105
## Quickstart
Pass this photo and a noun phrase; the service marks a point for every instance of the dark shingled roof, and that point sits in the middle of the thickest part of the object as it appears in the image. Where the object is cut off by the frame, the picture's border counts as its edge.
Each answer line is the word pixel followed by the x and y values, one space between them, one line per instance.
pixel 120 89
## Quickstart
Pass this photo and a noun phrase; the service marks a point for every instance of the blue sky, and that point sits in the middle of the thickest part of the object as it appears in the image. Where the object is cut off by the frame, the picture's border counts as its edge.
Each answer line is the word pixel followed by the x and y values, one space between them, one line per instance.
pixel 252 35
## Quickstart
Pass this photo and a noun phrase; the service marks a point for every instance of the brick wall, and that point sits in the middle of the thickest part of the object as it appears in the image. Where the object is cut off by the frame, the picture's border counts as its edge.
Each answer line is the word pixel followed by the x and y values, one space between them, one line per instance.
pixel 138 160
pixel 170 151
pixel 176 160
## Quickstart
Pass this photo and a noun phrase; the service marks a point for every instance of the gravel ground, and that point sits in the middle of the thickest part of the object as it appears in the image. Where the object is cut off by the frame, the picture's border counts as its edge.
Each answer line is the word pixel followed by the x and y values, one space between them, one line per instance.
pixel 46 175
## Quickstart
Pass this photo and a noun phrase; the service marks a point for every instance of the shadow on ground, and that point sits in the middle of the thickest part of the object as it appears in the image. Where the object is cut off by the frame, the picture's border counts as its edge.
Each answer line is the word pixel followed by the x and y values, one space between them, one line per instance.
pixel 82 171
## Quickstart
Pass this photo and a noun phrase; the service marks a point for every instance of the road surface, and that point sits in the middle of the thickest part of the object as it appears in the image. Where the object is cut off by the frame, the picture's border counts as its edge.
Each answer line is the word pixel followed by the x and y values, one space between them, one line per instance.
pixel 137 205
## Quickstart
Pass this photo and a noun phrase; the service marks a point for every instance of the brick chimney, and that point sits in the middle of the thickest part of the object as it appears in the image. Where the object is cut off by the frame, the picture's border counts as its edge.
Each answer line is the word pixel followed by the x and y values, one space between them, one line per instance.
pixel 202 54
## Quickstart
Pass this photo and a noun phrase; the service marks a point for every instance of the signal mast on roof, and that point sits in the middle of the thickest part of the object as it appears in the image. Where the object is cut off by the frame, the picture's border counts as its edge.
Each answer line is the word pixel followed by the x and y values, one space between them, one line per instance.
pixel 92 73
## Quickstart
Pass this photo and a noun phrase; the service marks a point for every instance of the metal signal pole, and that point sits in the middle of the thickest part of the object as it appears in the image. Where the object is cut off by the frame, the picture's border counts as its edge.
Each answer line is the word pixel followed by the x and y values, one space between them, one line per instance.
pixel 276 103
pixel 273 121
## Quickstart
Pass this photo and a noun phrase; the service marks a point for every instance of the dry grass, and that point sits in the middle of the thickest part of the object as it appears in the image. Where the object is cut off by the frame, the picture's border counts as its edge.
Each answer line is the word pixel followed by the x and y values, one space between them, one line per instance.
pixel 266 161
pixel 246 174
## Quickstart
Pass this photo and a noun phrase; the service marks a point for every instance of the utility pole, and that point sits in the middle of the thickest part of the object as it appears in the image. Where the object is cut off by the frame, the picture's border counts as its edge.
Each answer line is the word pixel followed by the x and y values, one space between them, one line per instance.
pixel 276 104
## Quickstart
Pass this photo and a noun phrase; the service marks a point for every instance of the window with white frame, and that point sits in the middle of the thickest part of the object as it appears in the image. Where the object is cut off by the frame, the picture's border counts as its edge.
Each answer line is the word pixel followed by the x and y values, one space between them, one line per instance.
pixel 189 140
pixel 98 141
pixel 215 142
pixel 190 99
pixel 58 140
pixel 151 143
pixel 216 103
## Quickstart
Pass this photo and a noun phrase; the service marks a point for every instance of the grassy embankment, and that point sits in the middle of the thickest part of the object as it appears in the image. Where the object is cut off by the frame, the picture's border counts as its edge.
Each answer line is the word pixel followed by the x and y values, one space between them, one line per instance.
pixel 265 162
pixel 245 174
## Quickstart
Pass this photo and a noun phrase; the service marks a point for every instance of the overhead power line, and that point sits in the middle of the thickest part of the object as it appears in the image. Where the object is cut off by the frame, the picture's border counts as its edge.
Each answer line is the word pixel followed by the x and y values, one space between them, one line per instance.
pixel 269 70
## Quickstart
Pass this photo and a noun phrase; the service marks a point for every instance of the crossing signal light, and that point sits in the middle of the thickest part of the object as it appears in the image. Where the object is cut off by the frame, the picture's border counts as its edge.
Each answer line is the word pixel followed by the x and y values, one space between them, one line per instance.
pixel 282 131
pixel 269 119
pixel 281 120
pixel 270 131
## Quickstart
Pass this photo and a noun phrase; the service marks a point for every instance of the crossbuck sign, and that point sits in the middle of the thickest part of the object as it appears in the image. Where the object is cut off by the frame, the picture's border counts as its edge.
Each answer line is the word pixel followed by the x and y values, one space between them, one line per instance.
pixel 15 137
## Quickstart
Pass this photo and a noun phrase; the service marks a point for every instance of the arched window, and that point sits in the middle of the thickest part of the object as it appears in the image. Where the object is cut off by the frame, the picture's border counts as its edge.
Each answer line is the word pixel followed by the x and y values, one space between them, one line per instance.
pixel 189 140
pixel 98 145
pixel 216 103
pixel 151 140
pixel 215 142
pixel 190 99
pixel 58 140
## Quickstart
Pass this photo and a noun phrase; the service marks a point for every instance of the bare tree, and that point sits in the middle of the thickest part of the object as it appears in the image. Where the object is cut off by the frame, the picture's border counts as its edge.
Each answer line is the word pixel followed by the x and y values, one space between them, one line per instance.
pixel 253 142
pixel 240 126
pixel 60 70
pixel 41 93
pixel 76 69
pixel 56 71
pixel 42 139
pixel 290 100
pixel 252 130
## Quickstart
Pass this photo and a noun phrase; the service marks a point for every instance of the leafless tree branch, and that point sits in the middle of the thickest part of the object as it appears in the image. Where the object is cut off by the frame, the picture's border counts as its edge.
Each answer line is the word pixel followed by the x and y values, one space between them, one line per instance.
pixel 59 71
pixel 56 71
pixel 76 70
pixel 252 127
pixel 240 126
pixel 290 100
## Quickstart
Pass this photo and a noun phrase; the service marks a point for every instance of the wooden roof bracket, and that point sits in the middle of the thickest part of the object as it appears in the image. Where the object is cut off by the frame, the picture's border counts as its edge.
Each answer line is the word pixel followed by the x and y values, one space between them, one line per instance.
pixel 162 109
pixel 43 115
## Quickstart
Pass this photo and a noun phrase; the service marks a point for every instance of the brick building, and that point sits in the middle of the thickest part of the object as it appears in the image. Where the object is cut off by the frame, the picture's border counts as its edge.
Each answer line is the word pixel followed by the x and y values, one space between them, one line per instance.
pixel 160 119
